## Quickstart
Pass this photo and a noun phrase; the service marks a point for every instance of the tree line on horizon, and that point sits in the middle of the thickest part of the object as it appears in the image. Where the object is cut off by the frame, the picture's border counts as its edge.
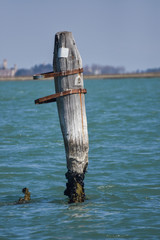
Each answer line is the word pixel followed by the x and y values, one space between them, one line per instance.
pixel 88 70
pixel 94 69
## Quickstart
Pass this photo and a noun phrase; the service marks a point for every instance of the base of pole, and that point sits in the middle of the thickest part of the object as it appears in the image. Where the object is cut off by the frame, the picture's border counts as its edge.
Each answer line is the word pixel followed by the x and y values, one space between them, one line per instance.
pixel 75 187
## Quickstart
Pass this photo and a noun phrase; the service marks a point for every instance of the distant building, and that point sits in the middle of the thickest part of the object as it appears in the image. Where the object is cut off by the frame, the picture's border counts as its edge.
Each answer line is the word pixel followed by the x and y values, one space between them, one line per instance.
pixel 5 72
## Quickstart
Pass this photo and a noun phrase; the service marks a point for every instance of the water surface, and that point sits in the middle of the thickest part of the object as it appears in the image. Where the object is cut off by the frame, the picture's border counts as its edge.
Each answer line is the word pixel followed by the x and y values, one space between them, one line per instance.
pixel 122 183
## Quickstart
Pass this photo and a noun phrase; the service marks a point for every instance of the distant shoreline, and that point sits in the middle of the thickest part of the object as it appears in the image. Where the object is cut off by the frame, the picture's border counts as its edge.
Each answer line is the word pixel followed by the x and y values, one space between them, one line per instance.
pixel 100 76
pixel 124 75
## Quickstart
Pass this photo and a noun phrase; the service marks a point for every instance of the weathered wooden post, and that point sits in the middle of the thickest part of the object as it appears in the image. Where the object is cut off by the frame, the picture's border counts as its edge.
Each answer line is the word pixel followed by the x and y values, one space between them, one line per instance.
pixel 67 66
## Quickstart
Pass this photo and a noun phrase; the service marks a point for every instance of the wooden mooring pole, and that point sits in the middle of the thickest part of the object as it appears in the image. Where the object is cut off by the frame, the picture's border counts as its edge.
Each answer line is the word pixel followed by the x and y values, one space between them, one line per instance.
pixel 69 86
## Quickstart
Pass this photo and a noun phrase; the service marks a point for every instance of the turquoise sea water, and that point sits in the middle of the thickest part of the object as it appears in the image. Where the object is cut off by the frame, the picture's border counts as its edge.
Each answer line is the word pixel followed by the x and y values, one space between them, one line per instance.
pixel 122 184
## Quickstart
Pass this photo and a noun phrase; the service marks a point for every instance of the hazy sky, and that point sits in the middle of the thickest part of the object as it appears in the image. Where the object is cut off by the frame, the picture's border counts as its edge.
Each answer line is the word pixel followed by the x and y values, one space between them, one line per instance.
pixel 107 32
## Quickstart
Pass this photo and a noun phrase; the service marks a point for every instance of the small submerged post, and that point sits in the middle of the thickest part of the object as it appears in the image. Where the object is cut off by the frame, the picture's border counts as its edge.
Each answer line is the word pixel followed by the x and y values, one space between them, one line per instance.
pixel 72 114
pixel 69 86
pixel 27 196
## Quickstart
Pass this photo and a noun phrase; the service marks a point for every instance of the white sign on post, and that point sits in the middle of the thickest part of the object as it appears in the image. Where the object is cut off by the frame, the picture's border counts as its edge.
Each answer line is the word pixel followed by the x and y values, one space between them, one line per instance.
pixel 63 52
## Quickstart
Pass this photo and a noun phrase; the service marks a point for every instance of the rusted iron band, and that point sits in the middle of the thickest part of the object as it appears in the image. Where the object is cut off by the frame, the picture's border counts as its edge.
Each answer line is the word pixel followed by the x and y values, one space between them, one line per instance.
pixel 57 74
pixel 53 97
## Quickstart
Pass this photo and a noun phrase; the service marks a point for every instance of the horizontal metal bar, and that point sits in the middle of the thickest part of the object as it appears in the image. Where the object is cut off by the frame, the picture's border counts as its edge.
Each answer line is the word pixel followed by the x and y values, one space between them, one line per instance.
pixel 57 74
pixel 53 97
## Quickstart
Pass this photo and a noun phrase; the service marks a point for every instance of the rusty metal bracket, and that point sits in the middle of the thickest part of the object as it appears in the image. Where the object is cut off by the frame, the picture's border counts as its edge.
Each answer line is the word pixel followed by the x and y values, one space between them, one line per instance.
pixel 57 74
pixel 53 97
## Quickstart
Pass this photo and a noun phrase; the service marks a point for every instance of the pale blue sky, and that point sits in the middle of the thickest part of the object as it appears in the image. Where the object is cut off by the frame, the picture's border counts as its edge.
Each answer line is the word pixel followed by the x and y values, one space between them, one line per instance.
pixel 107 32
